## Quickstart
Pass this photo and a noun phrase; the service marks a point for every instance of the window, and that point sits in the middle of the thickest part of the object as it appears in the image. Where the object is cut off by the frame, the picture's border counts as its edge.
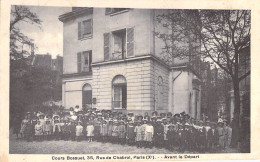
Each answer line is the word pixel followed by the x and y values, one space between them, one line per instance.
pixel 85 29
pixel 115 10
pixel 119 92
pixel 119 44
pixel 160 93
pixel 84 60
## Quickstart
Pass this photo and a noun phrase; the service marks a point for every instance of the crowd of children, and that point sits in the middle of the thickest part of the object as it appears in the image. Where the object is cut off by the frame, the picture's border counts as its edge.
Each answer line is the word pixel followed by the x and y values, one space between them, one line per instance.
pixel 162 130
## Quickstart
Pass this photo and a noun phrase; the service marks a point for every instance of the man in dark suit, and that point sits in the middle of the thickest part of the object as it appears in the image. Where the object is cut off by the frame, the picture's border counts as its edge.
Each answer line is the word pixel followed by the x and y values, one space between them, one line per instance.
pixel 212 137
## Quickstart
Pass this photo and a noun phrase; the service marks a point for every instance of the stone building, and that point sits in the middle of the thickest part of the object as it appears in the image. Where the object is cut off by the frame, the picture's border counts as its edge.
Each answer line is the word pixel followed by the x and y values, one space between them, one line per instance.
pixel 111 61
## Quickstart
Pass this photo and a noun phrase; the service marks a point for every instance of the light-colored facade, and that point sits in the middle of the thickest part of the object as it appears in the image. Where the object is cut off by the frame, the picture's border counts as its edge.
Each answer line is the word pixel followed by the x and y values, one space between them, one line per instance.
pixel 120 68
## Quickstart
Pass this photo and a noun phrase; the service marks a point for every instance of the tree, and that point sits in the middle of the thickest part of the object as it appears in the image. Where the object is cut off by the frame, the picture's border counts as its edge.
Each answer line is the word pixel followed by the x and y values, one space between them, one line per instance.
pixel 20 58
pixel 223 36
pixel 17 39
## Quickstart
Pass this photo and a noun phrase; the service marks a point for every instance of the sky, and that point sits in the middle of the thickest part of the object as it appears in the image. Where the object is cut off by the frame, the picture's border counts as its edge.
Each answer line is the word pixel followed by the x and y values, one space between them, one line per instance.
pixel 48 39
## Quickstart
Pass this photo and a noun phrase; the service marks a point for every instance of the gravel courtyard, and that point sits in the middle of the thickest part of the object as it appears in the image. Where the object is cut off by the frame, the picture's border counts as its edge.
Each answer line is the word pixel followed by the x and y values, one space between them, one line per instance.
pixel 84 147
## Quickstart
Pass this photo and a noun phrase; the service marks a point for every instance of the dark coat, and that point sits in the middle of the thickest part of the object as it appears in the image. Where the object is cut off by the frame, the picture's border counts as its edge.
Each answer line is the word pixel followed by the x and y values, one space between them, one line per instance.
pixel 213 137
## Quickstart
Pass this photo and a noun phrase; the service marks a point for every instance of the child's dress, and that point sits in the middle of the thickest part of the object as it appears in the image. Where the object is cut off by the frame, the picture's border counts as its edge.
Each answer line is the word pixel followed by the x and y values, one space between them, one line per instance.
pixel 38 130
pixel 90 130
pixel 149 133
pixel 79 130
pixel 138 131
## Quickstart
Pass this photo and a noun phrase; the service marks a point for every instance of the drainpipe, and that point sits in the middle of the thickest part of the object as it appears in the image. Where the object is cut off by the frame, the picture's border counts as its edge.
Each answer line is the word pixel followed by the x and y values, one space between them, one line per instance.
pixel 173 80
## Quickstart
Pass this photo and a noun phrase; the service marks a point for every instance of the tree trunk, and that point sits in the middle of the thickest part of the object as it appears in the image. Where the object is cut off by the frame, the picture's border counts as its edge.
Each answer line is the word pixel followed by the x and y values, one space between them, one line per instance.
pixel 236 120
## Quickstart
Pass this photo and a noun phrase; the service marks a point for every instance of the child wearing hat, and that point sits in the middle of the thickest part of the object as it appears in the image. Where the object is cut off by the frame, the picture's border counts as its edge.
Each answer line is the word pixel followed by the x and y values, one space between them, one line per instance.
pixel 121 132
pixel 38 131
pixel 130 134
pixel 149 131
pixel 66 130
pixel 171 135
pixel 212 137
pixel 56 130
pixel 165 130
pixel 109 130
pixel 115 132
pixel 159 133
pixel 47 129
pixel 138 134
pixel 72 127
pixel 104 130
pixel 90 131
pixel 79 132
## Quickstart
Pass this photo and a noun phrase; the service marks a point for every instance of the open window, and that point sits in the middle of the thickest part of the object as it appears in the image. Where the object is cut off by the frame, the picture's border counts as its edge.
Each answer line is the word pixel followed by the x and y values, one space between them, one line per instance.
pixel 84 60
pixel 119 44
pixel 119 92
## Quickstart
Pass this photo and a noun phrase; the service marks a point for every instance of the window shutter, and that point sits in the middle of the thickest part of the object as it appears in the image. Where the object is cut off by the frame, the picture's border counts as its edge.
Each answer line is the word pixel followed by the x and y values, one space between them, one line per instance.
pixel 130 42
pixel 79 61
pixel 90 60
pixel 79 30
pixel 106 46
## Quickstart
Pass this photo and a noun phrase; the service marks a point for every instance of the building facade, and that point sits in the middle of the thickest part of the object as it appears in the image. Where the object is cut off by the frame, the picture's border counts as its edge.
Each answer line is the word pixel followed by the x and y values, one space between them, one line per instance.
pixel 111 61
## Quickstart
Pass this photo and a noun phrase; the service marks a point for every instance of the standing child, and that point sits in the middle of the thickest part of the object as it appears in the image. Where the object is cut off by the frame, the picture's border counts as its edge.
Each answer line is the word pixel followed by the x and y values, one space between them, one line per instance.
pixel 47 129
pixel 109 130
pixel 72 130
pixel 138 132
pixel 121 132
pixel 104 130
pixel 38 131
pixel 79 132
pixel 130 134
pixel 149 131
pixel 56 130
pixel 115 132
pixel 171 135
pixel 66 131
pixel 90 131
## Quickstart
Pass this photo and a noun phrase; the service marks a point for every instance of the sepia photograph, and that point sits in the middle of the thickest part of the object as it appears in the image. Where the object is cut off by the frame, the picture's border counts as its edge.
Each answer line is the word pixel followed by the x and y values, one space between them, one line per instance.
pixel 93 80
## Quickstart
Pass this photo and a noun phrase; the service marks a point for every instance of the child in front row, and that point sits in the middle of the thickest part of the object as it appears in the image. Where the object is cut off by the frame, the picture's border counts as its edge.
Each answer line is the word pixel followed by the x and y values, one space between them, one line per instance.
pixel 79 132
pixel 90 131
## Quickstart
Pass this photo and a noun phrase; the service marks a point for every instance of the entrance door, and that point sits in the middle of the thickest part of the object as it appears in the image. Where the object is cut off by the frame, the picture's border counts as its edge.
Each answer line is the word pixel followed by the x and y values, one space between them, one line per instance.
pixel 87 96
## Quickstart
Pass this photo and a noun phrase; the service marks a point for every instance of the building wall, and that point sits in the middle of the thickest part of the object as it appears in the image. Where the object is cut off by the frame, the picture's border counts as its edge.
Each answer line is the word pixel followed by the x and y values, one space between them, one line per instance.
pixel 71 44
pixel 139 79
pixel 72 90
pixel 137 18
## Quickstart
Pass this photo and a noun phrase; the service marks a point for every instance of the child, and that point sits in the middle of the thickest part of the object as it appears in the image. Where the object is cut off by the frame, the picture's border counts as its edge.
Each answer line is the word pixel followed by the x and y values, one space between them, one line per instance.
pixel 212 137
pixel 23 126
pixel 130 134
pixel 121 132
pixel 171 135
pixel 47 129
pixel 149 131
pixel 159 133
pixel 56 130
pixel 115 132
pixel 79 132
pixel 109 130
pixel 38 131
pixel 62 123
pixel 138 132
pixel 66 131
pixel 72 128
pixel 144 125
pixel 104 130
pixel 90 131
pixel 97 127
pixel 181 138
pixel 165 130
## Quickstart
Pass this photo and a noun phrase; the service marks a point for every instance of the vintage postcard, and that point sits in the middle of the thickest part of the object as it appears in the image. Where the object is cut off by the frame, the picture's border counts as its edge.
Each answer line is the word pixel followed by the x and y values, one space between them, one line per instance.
pixel 129 80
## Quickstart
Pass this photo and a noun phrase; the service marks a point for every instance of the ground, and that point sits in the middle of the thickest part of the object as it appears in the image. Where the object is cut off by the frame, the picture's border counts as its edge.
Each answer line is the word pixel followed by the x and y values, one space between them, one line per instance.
pixel 84 147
